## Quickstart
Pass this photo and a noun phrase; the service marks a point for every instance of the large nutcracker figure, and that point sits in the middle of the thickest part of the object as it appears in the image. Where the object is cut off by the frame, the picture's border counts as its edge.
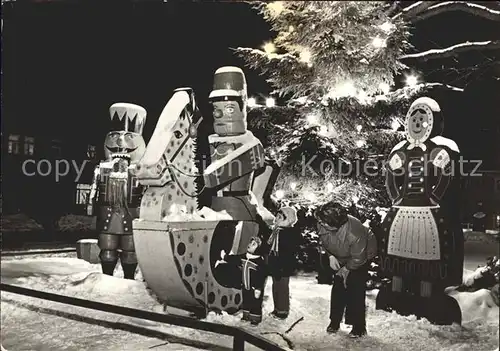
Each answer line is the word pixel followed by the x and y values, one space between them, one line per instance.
pixel 115 191
pixel 236 155
pixel 422 241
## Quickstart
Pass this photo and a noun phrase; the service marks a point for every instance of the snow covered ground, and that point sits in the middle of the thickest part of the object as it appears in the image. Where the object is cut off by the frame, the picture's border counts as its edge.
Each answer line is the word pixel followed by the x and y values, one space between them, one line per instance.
pixel 31 324
pixel 22 223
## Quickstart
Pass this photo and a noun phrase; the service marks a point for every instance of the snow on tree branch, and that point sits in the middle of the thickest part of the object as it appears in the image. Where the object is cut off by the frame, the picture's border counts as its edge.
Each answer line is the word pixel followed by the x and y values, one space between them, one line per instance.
pixel 453 50
pixel 414 9
pixel 475 9
pixel 264 55
pixel 451 87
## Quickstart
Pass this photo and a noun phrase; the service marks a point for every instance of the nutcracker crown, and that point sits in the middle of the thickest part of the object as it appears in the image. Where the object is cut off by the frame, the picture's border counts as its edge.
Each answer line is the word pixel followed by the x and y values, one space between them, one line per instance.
pixel 229 81
pixel 127 117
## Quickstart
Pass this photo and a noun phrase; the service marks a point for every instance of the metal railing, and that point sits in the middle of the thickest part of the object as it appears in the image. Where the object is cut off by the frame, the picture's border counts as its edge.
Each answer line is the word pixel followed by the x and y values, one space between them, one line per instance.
pixel 239 335
pixel 36 252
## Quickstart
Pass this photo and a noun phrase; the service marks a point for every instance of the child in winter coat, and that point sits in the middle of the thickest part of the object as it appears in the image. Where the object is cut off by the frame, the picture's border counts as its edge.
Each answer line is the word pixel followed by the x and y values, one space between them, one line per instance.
pixel 283 242
pixel 352 246
pixel 254 273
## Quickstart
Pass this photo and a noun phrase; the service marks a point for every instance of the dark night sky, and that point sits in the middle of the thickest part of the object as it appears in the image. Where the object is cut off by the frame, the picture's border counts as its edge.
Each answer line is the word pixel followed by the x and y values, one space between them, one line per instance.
pixel 64 64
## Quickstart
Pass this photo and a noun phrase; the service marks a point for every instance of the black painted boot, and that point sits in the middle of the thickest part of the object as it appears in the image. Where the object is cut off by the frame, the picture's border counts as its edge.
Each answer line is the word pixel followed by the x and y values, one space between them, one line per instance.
pixel 108 268
pixel 357 332
pixel 129 270
pixel 333 328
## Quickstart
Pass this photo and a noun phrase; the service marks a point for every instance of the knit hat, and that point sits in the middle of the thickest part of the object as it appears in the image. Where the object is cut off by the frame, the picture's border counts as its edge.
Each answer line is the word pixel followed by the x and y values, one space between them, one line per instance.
pixel 290 215
pixel 332 213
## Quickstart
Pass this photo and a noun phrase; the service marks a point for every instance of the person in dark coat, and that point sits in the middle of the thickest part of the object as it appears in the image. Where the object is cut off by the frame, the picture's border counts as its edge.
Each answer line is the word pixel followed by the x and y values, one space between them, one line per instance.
pixel 351 246
pixel 283 244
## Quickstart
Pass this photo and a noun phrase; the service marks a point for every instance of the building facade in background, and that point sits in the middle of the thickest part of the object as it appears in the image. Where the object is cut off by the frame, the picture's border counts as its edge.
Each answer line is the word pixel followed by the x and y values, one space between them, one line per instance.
pixel 30 183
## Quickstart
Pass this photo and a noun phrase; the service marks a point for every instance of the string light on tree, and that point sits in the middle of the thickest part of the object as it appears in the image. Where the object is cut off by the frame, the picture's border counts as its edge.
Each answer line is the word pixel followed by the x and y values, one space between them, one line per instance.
pixel 411 80
pixel 323 130
pixel 385 88
pixel 312 119
pixel 329 187
pixel 276 7
pixel 280 194
pixel 305 57
pixel 270 102
pixel 363 97
pixel 378 43
pixel 395 124
pixel 359 127
pixel 387 27
pixel 293 186
pixel 269 48
pixel 344 89
pixel 252 102
pixel 355 199
pixel 310 196
pixel 360 143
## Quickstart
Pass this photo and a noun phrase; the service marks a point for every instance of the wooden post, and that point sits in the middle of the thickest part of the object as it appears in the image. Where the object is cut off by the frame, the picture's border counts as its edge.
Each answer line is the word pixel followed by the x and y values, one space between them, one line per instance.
pixel 238 342
pixel 206 297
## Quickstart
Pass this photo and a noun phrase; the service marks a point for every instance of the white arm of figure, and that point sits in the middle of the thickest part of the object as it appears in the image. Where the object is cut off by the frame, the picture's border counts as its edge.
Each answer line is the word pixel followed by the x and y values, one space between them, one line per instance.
pixel 398 146
pixel 245 159
pixel 442 141
pixel 93 190
pixel 232 156
pixel 334 263
pixel 95 183
pixel 395 166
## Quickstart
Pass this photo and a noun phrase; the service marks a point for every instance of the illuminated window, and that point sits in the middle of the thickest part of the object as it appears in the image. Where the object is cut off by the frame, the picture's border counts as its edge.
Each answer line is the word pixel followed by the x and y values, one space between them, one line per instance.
pixel 82 194
pixel 14 144
pixel 90 152
pixel 29 146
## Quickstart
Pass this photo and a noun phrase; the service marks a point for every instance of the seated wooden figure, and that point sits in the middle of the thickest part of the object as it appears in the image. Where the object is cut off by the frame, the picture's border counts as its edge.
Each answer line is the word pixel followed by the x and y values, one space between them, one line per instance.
pixel 253 278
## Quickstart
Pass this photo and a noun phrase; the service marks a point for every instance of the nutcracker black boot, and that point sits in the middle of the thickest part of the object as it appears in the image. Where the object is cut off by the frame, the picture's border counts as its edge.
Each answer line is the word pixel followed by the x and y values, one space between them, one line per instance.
pixel 357 331
pixel 129 270
pixel 333 327
pixel 109 260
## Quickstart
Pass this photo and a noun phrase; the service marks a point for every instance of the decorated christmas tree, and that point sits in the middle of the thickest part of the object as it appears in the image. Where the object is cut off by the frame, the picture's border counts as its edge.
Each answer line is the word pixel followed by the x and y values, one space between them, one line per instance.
pixel 340 75
pixel 334 63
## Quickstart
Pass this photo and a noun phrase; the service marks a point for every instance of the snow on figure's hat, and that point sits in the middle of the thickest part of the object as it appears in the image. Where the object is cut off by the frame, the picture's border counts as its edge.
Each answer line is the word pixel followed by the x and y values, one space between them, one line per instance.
pixel 229 81
pixel 127 117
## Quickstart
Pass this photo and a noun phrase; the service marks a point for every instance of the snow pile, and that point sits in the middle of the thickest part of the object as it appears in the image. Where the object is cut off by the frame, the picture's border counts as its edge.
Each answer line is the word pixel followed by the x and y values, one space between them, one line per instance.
pixel 470 277
pixel 477 306
pixel 386 331
pixel 179 214
pixel 382 211
pixel 484 277
pixel 19 223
